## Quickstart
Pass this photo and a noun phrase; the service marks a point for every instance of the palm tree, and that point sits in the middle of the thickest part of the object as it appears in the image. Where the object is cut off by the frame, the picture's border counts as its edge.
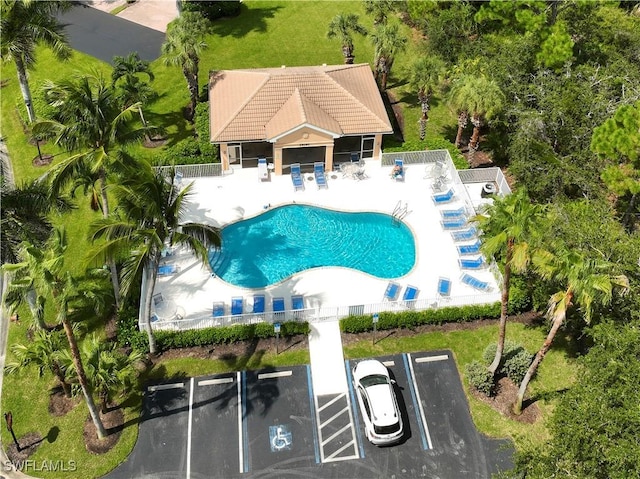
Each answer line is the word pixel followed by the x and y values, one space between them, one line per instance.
pixel 479 97
pixel 387 43
pixel 126 74
pixel 379 9
pixel 183 47
pixel 151 210
pixel 508 229
pixel 586 282
pixel 45 351
pixel 341 27
pixel 90 124
pixel 48 265
pixel 109 371
pixel 24 215
pixel 427 75
pixel 25 24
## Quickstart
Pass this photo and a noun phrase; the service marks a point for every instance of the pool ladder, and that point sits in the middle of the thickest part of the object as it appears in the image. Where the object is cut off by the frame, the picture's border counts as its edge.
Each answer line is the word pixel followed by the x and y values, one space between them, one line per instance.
pixel 399 212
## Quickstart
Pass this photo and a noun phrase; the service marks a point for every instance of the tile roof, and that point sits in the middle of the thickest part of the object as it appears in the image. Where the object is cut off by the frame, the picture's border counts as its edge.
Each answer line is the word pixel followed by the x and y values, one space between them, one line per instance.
pixel 263 104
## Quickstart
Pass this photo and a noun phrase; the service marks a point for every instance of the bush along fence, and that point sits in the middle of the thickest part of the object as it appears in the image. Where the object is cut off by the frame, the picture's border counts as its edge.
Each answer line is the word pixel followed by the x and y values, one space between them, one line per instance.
pixel 411 319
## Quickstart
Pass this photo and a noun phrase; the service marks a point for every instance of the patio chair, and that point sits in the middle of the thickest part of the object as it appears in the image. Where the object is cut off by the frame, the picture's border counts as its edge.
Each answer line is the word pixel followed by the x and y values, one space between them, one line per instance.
pixel 167 269
pixel 444 287
pixel 263 171
pixel 218 309
pixel 466 249
pixel 297 302
pixel 454 223
pixel 278 307
pixel 398 170
pixel 158 299
pixel 258 303
pixel 475 282
pixel 237 305
pixel 296 177
pixel 441 198
pixel 318 172
pixel 410 295
pixel 355 157
pixel 464 235
pixel 392 291
pixel 471 263
pixel 458 213
pixel 177 179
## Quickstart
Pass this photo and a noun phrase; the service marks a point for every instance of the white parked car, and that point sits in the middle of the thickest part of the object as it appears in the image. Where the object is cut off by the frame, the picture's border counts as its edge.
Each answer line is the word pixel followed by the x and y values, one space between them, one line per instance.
pixel 377 401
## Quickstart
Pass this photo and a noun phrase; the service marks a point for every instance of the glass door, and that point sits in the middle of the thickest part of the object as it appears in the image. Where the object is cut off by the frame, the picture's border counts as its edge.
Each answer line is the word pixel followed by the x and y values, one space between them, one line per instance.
pixel 367 146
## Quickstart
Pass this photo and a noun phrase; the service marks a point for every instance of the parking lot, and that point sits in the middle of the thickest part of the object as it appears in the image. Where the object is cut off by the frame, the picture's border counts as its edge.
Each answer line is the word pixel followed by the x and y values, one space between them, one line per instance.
pixel 269 423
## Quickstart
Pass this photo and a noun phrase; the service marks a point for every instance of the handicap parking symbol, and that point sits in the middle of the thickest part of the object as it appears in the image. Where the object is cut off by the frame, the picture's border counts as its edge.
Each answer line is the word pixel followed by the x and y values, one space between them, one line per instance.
pixel 280 438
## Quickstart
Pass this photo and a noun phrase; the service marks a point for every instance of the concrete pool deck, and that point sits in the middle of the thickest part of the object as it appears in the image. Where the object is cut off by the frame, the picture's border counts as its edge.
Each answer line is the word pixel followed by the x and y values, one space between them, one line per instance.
pixel 240 194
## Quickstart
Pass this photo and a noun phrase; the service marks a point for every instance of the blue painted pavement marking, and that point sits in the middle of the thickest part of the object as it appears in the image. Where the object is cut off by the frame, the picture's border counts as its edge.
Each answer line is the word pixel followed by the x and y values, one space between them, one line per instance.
pixel 354 408
pixel 313 415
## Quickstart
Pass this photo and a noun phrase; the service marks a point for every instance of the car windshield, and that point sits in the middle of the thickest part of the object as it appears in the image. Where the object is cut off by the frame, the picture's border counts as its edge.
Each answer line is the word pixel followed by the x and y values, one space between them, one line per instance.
pixel 374 380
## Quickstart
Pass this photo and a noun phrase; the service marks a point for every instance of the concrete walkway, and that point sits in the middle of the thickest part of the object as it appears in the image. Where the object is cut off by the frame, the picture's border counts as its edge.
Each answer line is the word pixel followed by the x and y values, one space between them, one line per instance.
pixel 327 360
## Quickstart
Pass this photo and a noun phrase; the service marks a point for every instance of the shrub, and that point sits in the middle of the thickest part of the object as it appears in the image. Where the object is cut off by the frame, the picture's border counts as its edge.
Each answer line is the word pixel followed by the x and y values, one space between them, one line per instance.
pixel 222 335
pixel 212 9
pixel 480 378
pixel 515 359
pixel 410 319
pixel 128 334
pixel 519 296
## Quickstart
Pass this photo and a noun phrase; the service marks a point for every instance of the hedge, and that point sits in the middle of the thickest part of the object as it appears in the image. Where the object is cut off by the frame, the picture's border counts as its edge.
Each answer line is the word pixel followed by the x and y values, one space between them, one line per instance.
pixel 229 334
pixel 410 318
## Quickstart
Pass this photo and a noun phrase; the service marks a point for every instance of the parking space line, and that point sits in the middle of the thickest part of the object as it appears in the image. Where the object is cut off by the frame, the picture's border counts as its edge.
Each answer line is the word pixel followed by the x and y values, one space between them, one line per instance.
pixel 352 404
pixel 338 414
pixel 389 364
pixel 415 396
pixel 162 387
pixel 278 374
pixel 338 396
pixel 245 434
pixel 336 434
pixel 240 435
pixel 314 424
pixel 331 457
pixel 211 382
pixel 190 429
pixel 429 359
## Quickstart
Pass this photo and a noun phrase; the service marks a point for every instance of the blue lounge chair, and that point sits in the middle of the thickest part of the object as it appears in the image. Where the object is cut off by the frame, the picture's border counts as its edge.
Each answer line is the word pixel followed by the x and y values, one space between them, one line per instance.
pixel 392 291
pixel 454 223
pixel 398 170
pixel 471 263
pixel 296 177
pixel 318 171
pixel 464 235
pixel 297 302
pixel 475 282
pixel 167 269
pixel 278 306
pixel 410 295
pixel 237 305
pixel 355 157
pixel 218 309
pixel 258 303
pixel 445 197
pixel 469 248
pixel 444 286
pixel 263 170
pixel 452 214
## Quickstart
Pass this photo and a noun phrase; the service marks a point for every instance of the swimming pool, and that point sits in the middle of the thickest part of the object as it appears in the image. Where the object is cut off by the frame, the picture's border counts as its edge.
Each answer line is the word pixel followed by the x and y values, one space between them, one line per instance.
pixel 270 247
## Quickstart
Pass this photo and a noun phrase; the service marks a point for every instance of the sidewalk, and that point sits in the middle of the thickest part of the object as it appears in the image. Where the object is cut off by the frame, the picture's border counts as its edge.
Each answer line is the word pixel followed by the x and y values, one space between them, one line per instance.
pixel 327 360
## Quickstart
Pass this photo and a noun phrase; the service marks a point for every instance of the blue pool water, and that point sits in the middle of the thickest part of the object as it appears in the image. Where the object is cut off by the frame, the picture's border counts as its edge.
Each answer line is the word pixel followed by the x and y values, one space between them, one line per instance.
pixel 283 241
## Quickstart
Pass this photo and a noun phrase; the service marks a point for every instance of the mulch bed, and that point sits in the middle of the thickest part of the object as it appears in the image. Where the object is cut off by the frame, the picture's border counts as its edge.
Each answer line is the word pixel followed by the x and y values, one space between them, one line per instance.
pixel 45 160
pixel 28 445
pixel 505 397
pixel 112 421
pixel 154 142
pixel 59 404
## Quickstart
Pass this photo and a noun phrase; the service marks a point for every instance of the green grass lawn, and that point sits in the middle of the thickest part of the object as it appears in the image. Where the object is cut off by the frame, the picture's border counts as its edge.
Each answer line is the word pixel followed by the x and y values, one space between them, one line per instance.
pixel 266 34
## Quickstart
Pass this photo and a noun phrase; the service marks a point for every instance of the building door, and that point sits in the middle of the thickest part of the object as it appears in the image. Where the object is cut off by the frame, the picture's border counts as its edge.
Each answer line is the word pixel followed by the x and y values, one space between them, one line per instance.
pixel 367 146
pixel 235 155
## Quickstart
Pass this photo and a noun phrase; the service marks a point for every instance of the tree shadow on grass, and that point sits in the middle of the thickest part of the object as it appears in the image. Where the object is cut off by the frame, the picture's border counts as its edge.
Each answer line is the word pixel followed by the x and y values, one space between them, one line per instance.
pixel 249 20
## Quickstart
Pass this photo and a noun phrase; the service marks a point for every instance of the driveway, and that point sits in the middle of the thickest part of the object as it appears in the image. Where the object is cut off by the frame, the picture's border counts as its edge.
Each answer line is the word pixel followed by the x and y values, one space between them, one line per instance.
pixel 269 423
pixel 103 36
